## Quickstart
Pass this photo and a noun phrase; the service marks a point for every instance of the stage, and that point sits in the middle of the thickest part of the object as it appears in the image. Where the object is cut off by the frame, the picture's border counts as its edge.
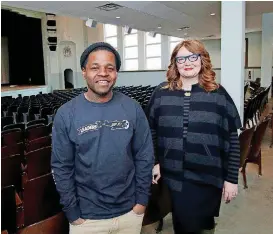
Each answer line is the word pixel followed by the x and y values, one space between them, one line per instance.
pixel 24 90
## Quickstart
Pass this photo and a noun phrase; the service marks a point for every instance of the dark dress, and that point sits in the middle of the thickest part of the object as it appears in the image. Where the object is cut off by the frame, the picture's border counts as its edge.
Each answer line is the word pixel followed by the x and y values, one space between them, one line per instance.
pixel 194 208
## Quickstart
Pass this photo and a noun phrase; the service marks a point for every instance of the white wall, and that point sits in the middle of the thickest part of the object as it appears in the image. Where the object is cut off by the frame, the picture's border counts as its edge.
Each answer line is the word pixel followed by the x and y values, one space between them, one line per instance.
pixel 147 78
pixel 214 49
pixel 254 50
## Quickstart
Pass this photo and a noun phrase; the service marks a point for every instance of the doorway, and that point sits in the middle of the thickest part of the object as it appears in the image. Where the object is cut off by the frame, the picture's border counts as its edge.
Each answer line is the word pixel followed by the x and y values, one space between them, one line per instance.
pixel 68 79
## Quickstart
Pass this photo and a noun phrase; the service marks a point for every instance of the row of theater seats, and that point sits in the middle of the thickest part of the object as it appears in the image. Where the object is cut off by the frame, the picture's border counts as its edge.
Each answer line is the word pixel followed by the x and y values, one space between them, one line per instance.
pixel 28 108
pixel 31 202
pixel 28 192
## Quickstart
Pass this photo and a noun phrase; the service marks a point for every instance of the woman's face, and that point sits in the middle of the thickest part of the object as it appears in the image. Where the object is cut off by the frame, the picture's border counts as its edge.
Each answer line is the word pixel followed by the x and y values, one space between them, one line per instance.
pixel 188 64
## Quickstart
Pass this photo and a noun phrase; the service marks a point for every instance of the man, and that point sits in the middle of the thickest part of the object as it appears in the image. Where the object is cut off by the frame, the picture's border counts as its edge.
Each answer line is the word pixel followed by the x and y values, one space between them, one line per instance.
pixel 102 152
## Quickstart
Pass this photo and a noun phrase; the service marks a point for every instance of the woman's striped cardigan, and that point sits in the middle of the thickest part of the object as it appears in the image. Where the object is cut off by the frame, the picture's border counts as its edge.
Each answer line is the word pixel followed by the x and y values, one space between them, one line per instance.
pixel 208 154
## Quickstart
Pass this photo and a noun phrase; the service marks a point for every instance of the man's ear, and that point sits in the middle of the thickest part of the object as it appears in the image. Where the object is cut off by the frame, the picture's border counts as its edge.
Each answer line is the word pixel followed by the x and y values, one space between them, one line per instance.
pixel 83 72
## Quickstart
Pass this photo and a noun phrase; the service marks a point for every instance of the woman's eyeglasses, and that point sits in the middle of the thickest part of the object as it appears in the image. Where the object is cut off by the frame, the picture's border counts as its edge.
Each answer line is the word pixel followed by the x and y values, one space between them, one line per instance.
pixel 191 58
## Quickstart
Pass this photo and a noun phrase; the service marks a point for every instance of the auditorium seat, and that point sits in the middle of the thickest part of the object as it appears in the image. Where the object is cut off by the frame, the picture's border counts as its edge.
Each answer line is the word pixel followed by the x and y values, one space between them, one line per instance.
pixel 10 150
pixel 41 199
pixel 8 209
pixel 56 224
pixel 37 121
pixel 38 143
pixel 13 126
pixel 36 131
pixel 245 143
pixel 11 171
pixel 21 114
pixel 6 121
pixel 11 137
pixel 38 162
pixel 254 154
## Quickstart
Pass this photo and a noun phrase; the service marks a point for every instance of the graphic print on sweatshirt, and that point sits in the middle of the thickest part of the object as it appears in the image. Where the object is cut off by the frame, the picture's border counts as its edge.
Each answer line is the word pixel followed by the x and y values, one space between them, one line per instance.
pixel 113 125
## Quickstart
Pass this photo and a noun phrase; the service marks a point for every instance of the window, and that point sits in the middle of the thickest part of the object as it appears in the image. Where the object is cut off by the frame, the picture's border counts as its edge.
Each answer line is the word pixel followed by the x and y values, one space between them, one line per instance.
pixel 153 51
pixel 130 50
pixel 111 35
pixel 173 43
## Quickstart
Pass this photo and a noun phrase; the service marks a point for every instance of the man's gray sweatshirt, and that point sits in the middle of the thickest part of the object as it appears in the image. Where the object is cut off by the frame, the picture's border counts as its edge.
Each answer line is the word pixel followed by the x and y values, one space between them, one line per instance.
pixel 102 157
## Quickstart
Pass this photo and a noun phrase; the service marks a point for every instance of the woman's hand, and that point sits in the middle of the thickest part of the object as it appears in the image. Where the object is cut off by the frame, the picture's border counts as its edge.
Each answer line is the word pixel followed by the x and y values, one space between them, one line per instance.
pixel 156 173
pixel 230 191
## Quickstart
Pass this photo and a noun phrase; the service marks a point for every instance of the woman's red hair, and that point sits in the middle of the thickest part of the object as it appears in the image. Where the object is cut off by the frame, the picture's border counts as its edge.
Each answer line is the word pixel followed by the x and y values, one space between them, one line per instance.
pixel 206 74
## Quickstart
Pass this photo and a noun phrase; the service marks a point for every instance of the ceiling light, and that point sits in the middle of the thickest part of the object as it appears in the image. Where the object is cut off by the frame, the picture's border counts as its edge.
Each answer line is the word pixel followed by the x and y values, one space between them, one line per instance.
pixel 212 14
pixel 118 17
pixel 159 27
pixel 183 28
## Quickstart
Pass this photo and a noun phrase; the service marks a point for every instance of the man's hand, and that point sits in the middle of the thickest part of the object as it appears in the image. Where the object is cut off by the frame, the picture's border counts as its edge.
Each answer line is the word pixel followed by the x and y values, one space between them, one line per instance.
pixel 139 209
pixel 230 191
pixel 156 174
pixel 79 221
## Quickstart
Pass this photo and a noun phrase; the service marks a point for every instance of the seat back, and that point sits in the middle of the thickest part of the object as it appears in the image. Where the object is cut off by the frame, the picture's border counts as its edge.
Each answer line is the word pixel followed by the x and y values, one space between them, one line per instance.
pixel 55 224
pixel 11 171
pixel 34 122
pixel 258 138
pixel 13 126
pixel 36 131
pixel 8 209
pixel 10 150
pixel 245 142
pixel 38 143
pixel 11 136
pixel 41 199
pixel 7 120
pixel 38 162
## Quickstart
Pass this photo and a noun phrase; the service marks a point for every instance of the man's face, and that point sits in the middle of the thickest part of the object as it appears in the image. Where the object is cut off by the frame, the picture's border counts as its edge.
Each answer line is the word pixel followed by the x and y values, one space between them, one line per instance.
pixel 100 72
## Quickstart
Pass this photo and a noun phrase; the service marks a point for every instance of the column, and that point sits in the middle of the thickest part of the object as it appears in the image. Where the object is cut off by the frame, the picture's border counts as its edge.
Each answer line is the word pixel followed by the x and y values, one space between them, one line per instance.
pixel 232 51
pixel 267 49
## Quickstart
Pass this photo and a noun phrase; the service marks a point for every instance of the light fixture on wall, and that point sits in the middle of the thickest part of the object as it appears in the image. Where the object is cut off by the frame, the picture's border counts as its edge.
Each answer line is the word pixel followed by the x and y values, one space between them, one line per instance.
pixel 91 23
pixel 212 14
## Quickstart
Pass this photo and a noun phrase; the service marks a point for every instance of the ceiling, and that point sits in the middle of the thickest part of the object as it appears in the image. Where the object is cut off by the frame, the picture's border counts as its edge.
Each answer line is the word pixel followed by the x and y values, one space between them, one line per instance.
pixel 148 15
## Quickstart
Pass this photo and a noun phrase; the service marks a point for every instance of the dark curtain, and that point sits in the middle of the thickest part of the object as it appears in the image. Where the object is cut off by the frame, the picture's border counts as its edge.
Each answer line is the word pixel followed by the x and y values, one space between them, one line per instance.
pixel 25 48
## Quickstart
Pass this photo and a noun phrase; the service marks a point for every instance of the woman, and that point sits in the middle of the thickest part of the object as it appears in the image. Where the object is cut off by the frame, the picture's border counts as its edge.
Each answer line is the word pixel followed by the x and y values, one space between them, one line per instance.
pixel 195 122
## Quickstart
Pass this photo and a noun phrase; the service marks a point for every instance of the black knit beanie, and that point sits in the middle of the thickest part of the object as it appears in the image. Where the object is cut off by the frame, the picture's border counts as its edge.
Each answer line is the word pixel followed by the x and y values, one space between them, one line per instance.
pixel 102 45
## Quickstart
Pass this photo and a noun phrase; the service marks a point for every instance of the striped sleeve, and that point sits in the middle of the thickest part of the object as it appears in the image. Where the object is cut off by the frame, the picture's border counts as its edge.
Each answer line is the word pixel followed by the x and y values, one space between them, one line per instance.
pixel 150 114
pixel 233 159
pixel 234 123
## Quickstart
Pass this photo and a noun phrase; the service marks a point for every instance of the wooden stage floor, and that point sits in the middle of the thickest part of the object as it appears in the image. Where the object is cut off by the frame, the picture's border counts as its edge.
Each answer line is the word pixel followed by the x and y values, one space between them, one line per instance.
pixel 24 90
pixel 20 87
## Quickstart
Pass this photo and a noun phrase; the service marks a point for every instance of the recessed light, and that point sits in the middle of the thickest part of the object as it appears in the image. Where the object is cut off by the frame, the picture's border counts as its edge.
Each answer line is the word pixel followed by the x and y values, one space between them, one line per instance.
pixel 212 14
pixel 118 17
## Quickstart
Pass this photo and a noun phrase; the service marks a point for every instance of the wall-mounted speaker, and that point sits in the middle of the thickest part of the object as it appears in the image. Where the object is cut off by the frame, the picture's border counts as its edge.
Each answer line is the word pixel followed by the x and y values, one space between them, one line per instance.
pixel 51 23
pixel 127 29
pixel 52 47
pixel 152 34
pixel 91 23
pixel 52 40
